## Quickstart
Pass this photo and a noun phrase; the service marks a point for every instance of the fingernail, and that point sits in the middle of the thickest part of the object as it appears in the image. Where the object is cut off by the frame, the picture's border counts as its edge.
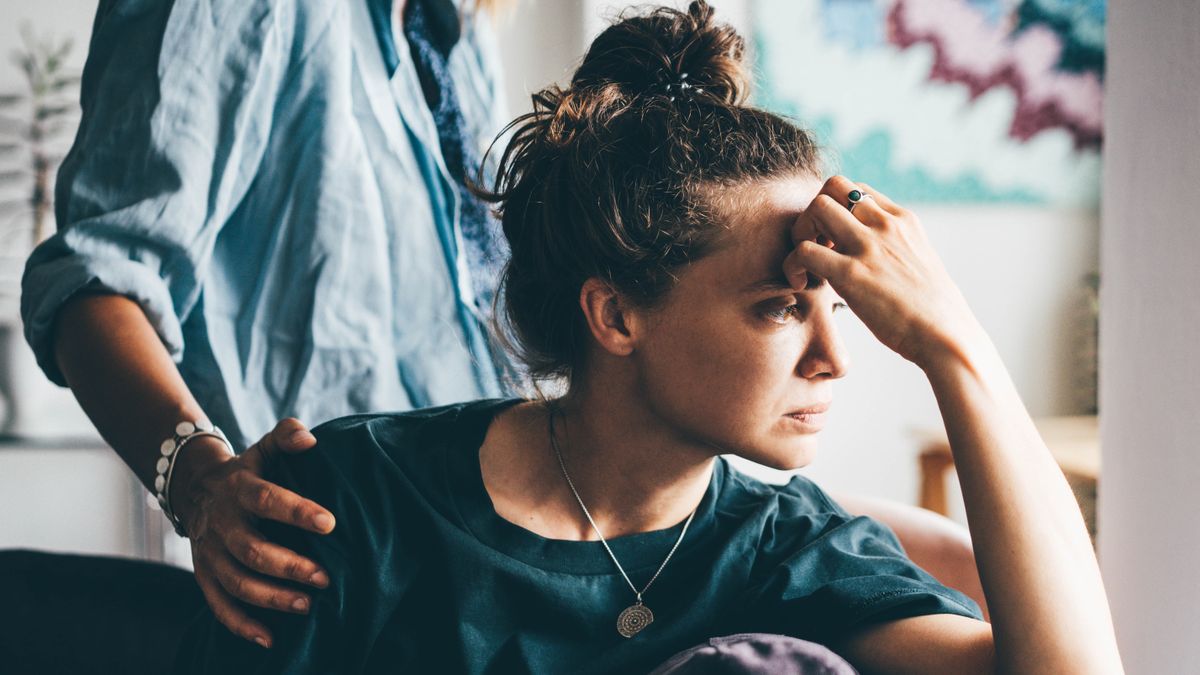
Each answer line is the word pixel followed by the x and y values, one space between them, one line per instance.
pixel 300 436
pixel 300 604
pixel 262 641
pixel 323 521
pixel 319 578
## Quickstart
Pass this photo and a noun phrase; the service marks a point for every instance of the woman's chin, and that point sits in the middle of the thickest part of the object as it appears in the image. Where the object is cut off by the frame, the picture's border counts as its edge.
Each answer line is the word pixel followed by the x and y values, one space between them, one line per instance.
pixel 798 461
pixel 794 453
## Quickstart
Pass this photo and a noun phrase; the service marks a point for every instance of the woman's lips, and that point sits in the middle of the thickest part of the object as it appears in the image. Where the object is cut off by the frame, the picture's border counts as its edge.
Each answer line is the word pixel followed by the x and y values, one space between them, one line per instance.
pixel 811 419
pixel 812 409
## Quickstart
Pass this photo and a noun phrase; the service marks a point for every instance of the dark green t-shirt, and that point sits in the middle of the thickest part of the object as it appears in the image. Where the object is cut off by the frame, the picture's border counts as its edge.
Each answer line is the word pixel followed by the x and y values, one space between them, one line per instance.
pixel 427 577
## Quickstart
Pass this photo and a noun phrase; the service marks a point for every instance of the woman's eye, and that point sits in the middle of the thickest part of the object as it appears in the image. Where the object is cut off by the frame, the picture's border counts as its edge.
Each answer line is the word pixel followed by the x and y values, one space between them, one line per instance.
pixel 783 313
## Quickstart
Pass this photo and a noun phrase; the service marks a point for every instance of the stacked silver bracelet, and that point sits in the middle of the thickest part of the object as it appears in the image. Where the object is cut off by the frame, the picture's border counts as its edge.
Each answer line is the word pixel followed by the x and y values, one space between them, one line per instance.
pixel 184 433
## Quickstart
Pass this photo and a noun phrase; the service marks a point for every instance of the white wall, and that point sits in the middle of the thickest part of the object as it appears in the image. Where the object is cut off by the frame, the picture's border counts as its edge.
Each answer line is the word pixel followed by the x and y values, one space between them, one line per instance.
pixel 1150 334
pixel 78 499
pixel 540 44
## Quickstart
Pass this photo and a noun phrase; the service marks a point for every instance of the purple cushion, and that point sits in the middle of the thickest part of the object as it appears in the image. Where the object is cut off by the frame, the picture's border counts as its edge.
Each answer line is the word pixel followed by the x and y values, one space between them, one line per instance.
pixel 756 653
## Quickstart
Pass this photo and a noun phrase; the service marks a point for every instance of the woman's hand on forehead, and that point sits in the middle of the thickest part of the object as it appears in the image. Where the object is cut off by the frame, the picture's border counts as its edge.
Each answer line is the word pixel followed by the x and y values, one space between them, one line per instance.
pixel 879 260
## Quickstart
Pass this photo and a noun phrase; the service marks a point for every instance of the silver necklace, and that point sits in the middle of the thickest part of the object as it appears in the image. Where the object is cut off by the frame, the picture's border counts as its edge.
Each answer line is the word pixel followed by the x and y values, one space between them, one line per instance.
pixel 637 616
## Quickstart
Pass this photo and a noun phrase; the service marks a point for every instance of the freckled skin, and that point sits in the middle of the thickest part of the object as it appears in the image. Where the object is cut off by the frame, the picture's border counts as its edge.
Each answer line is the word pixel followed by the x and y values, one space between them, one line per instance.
pixel 715 367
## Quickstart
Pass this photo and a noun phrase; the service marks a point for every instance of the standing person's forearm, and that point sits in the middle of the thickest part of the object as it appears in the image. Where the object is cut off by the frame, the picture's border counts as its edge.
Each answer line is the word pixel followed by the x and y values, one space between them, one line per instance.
pixel 126 382
pixel 128 385
pixel 1039 572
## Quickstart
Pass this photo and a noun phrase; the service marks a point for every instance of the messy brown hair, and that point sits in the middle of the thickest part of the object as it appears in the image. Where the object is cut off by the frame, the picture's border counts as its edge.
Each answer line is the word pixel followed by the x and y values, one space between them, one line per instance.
pixel 615 176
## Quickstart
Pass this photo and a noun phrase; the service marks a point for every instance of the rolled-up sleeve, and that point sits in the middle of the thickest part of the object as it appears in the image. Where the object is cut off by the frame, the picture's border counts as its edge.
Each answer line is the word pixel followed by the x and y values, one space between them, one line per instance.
pixel 177 102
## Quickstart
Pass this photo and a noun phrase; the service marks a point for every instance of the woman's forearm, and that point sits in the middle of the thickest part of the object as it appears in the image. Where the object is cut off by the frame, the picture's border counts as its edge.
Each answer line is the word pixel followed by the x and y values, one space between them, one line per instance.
pixel 126 382
pixel 1039 572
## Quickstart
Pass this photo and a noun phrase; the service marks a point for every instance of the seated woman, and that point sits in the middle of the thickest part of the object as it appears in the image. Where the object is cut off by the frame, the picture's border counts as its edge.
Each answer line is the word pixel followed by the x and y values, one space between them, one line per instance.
pixel 664 268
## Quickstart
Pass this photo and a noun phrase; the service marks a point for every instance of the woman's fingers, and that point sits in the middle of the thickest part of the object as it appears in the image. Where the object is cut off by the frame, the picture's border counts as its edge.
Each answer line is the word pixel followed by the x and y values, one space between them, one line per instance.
pixel 872 209
pixel 268 500
pixel 839 188
pixel 226 609
pixel 252 550
pixel 246 586
pixel 825 234
pixel 848 233
pixel 230 556
pixel 809 256
pixel 796 269
pixel 289 435
pixel 882 200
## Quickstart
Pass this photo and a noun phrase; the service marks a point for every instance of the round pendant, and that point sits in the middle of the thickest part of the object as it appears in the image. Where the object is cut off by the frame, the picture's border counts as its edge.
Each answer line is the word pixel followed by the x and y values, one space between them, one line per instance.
pixel 634 619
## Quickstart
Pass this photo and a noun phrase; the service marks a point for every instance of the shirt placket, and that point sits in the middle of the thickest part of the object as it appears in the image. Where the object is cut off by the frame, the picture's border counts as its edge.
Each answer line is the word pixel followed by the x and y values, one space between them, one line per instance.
pixel 403 92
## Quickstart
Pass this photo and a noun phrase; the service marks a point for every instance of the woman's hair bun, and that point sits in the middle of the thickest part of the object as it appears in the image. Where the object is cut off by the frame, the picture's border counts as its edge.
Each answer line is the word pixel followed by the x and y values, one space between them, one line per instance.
pixel 648 53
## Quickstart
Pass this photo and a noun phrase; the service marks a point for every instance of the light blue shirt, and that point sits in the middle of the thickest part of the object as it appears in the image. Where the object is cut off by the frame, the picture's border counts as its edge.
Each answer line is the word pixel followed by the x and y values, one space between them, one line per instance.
pixel 247 171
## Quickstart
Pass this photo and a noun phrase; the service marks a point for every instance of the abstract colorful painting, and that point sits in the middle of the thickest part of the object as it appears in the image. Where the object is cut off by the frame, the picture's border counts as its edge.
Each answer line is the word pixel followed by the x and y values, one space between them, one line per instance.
pixel 966 101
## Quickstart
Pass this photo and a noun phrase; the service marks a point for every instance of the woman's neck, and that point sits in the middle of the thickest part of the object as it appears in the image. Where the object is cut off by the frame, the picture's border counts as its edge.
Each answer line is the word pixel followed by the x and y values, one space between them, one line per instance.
pixel 632 471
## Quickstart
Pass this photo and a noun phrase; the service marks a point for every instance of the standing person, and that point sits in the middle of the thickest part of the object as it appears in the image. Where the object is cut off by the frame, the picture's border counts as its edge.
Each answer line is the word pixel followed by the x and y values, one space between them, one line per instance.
pixel 263 216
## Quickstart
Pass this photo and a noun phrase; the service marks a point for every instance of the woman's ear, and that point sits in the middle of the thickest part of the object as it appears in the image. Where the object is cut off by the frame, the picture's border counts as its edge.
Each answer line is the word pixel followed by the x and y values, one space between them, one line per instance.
pixel 608 317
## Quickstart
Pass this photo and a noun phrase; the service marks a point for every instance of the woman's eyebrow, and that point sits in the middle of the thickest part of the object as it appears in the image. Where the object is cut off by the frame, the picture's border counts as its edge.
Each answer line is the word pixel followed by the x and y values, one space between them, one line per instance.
pixel 768 284
pixel 781 284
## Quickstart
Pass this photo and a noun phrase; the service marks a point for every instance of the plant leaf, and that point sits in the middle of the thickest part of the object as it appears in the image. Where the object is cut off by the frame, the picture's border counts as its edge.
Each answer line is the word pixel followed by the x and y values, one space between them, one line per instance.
pixel 64 81
pixel 25 61
pixel 46 112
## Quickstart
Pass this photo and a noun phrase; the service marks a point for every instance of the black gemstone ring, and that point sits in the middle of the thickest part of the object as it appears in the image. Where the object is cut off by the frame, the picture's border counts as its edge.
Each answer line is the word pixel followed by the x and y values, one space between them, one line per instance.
pixel 854 198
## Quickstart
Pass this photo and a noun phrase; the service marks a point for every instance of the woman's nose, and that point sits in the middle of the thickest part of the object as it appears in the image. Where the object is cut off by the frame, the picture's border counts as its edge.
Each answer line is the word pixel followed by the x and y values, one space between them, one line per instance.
pixel 825 354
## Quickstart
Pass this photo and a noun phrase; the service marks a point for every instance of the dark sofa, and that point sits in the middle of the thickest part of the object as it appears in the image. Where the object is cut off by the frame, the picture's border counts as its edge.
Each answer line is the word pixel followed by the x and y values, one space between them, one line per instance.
pixel 69 613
